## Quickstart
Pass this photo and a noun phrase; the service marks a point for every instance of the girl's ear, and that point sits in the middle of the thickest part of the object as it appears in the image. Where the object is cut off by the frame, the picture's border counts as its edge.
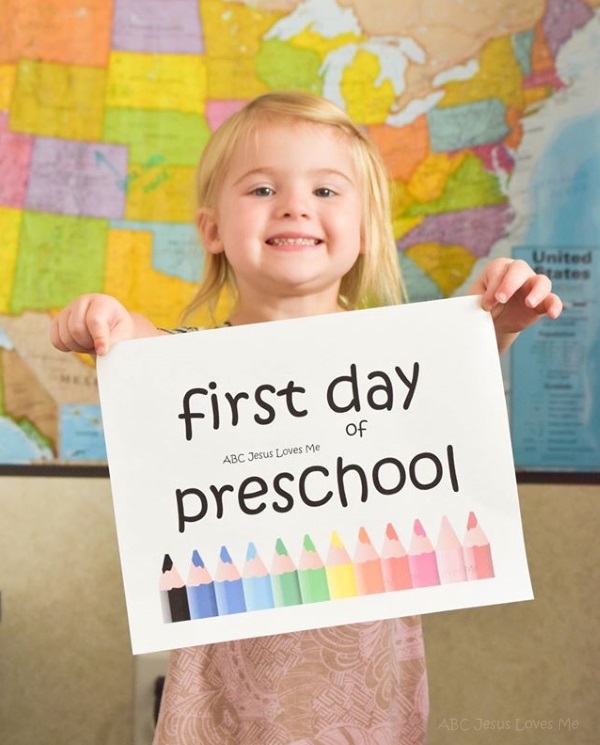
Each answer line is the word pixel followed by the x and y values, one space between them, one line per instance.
pixel 208 227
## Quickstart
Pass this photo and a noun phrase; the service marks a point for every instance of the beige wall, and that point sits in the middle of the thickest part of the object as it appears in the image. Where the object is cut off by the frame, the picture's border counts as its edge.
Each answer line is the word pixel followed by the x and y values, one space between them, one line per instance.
pixel 66 669
pixel 533 663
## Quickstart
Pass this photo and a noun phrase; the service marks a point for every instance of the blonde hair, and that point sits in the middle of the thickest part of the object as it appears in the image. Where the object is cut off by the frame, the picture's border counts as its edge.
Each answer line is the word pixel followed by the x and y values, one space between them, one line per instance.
pixel 375 278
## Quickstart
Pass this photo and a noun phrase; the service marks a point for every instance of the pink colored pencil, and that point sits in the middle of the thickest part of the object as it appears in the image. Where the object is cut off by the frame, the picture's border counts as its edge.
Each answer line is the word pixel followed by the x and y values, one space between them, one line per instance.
pixel 449 552
pixel 367 566
pixel 477 551
pixel 394 562
pixel 421 559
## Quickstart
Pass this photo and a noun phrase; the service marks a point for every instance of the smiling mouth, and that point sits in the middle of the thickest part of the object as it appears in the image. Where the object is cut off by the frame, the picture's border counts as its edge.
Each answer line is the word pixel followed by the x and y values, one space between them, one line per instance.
pixel 294 242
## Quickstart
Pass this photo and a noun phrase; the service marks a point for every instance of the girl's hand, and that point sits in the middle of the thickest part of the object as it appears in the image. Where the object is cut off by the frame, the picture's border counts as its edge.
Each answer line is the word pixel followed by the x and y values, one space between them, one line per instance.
pixel 516 297
pixel 92 323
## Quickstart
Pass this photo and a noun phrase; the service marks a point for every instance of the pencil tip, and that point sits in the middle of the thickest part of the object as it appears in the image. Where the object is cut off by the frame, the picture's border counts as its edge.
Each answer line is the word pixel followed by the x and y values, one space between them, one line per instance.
pixel 251 552
pixel 225 557
pixel 390 532
pixel 363 536
pixel 280 547
pixel 308 543
pixel 419 529
pixel 197 559
pixel 167 563
pixel 336 540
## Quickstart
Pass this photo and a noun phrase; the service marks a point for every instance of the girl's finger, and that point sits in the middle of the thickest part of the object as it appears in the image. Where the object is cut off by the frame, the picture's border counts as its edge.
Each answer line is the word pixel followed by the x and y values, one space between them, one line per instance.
pixel 493 279
pixel 517 275
pixel 539 289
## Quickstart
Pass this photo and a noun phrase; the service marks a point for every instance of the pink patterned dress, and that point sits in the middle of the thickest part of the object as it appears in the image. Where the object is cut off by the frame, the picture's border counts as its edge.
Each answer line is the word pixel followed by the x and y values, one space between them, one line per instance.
pixel 362 684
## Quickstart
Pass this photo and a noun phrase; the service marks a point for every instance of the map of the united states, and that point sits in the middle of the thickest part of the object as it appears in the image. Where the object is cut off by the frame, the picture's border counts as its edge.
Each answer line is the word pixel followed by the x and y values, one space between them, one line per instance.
pixel 105 106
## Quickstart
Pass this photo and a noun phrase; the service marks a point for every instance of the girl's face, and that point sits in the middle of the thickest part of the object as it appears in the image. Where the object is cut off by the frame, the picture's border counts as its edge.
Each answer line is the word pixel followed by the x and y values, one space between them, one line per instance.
pixel 288 215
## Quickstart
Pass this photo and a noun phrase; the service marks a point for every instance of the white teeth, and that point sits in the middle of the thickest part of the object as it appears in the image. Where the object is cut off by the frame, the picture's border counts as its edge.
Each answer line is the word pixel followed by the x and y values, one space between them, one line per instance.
pixel 293 241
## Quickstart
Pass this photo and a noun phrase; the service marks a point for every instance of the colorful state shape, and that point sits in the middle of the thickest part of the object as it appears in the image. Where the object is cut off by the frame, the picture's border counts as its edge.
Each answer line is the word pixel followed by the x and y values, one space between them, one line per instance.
pixel 175 137
pixel 368 100
pixel 543 80
pixel 218 111
pixel 228 77
pixel 478 229
pixel 71 32
pixel 10 229
pixel 534 93
pixel 542 58
pixel 233 34
pixel 7 83
pixel 499 77
pixel 281 66
pixel 323 45
pixel 513 139
pixel 159 193
pixel 18 447
pixel 27 400
pixel 234 30
pixel 447 266
pixel 158 27
pixel 174 82
pixel 562 19
pixel 523 46
pixel 420 285
pixel 77 178
pixel 15 159
pixel 82 439
pixel 430 178
pixel 66 274
pixel 467 125
pixel 400 200
pixel 175 248
pixel 469 186
pixel 496 158
pixel 131 278
pixel 55 100
pixel 403 149
pixel 402 225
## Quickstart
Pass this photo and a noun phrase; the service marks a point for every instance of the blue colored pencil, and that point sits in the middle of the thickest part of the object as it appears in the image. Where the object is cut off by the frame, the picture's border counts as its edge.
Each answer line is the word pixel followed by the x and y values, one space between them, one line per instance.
pixel 200 590
pixel 229 589
pixel 257 582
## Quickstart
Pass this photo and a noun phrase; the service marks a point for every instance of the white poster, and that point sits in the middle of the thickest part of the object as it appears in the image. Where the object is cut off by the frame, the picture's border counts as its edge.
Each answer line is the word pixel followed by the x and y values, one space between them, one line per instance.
pixel 306 473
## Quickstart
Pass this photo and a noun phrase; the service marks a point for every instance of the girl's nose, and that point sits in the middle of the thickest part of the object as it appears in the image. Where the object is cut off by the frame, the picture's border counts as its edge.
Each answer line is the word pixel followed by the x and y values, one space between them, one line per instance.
pixel 293 205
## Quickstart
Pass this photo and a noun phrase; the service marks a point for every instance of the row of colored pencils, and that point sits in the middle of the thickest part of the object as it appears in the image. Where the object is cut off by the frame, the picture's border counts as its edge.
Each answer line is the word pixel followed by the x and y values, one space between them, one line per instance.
pixel 312 580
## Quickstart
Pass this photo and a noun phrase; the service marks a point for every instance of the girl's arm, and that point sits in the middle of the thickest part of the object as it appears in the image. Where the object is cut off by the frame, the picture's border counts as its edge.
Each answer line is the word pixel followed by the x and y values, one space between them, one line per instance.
pixel 92 323
pixel 516 297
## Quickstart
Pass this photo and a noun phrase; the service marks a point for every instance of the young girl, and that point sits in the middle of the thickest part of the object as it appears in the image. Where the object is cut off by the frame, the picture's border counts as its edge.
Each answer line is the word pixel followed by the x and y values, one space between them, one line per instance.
pixel 294 217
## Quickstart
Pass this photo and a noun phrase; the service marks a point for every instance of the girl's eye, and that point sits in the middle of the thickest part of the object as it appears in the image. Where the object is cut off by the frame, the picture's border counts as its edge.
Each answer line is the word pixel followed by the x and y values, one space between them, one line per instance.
pixel 263 191
pixel 324 192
